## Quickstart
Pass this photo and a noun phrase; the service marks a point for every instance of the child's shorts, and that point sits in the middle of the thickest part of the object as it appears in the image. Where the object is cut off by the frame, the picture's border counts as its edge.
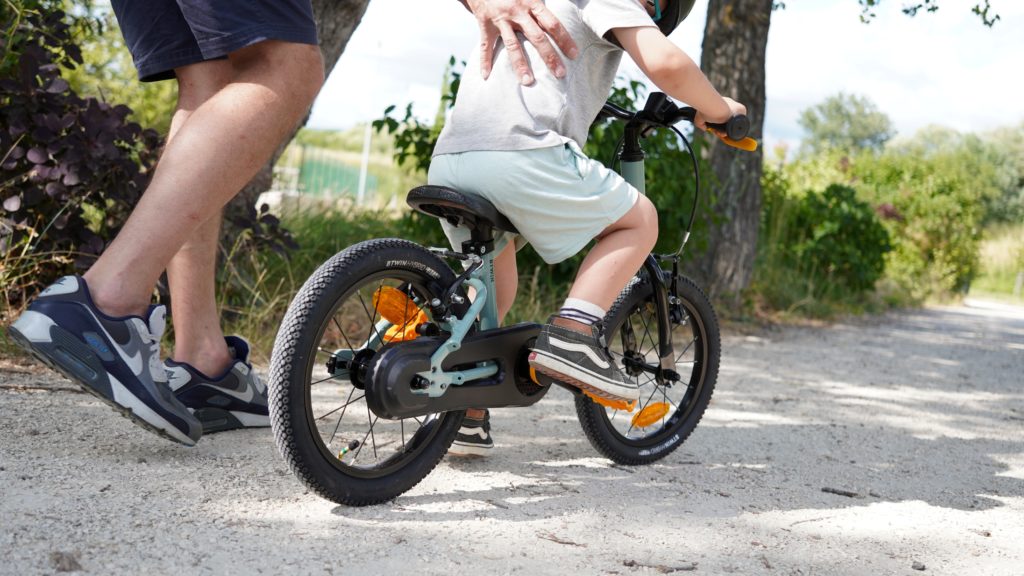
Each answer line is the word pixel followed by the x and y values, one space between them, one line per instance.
pixel 556 197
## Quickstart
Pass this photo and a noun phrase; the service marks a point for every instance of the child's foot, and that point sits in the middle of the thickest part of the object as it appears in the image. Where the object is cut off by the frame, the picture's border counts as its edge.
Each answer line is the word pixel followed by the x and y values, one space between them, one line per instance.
pixel 115 359
pixel 474 437
pixel 581 360
pixel 234 399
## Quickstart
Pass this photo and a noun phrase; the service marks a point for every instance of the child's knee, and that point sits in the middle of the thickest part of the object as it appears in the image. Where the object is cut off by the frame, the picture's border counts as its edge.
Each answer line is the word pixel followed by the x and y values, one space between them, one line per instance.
pixel 648 218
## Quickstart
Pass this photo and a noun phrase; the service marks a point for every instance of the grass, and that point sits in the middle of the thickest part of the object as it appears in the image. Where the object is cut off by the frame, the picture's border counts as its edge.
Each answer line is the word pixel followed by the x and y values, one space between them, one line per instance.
pixel 1002 262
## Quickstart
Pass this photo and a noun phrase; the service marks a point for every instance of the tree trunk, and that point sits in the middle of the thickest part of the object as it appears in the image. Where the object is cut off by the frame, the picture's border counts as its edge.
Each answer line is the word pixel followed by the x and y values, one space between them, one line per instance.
pixel 336 20
pixel 733 57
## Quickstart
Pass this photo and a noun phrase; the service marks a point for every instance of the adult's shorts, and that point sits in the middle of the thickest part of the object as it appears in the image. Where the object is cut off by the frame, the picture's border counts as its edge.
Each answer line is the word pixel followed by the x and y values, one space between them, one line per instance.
pixel 556 197
pixel 165 34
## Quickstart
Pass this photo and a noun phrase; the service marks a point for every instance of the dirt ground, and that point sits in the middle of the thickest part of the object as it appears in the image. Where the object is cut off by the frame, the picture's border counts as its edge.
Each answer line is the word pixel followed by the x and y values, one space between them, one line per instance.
pixel 886 445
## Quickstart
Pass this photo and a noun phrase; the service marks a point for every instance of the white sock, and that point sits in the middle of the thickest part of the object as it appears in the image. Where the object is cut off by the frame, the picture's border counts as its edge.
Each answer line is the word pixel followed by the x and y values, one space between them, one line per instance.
pixel 581 311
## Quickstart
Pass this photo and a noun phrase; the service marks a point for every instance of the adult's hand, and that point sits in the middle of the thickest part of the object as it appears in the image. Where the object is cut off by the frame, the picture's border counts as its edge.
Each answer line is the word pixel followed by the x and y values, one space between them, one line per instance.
pixel 503 18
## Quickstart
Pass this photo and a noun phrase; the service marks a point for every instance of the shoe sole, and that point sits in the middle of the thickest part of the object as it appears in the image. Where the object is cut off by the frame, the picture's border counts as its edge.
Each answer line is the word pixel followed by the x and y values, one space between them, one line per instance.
pixel 220 420
pixel 558 369
pixel 72 358
pixel 460 449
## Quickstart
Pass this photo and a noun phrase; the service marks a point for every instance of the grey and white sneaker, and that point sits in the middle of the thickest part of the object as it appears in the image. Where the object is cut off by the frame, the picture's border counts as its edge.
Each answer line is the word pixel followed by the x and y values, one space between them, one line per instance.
pixel 117 359
pixel 581 360
pixel 234 399
pixel 473 438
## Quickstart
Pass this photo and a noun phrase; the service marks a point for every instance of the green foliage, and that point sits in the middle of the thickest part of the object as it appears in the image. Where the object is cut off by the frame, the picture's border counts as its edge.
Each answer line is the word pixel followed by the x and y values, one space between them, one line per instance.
pixel 1002 262
pixel 935 200
pixel 819 251
pixel 1005 150
pixel 982 10
pixel 108 74
pixel 70 167
pixel 840 238
pixel 845 122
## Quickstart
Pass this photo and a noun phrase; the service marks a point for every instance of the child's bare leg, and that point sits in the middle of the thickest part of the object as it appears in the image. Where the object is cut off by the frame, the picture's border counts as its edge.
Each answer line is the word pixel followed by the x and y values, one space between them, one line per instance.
pixel 506 283
pixel 620 251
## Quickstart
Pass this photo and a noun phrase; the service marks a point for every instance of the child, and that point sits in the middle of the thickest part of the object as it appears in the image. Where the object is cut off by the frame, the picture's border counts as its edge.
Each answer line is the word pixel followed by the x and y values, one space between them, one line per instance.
pixel 520 148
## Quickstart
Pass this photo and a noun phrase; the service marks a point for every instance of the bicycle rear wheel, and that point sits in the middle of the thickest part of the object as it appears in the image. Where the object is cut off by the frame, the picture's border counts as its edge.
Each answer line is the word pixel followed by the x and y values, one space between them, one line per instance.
pixel 329 338
pixel 667 412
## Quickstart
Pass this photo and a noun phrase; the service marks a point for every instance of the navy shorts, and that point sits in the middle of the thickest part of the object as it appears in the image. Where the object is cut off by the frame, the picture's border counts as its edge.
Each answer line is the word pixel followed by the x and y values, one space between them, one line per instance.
pixel 165 34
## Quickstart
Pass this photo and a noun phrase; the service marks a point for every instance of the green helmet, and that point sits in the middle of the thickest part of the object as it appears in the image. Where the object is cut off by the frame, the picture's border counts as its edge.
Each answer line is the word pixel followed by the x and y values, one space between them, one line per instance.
pixel 668 19
pixel 675 12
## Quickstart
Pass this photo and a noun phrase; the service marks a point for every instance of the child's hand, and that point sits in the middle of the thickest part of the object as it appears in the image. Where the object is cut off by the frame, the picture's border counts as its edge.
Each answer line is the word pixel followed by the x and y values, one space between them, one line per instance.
pixel 734 109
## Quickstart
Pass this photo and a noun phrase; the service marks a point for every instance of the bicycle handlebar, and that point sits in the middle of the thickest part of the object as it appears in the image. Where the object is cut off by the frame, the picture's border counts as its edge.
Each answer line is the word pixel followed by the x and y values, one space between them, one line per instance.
pixel 659 111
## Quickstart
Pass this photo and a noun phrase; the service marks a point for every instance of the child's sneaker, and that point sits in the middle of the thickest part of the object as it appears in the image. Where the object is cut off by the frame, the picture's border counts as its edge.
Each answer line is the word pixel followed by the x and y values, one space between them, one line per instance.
pixel 474 437
pixel 581 360
pixel 115 359
pixel 234 399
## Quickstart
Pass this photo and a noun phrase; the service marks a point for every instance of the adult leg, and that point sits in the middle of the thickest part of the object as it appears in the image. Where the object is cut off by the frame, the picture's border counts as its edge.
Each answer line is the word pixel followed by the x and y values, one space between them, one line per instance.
pixel 199 340
pixel 216 150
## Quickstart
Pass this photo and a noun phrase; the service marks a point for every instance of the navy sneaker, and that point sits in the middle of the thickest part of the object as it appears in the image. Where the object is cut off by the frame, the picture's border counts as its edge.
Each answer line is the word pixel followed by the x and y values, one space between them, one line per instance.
pixel 234 399
pixel 115 359
pixel 473 438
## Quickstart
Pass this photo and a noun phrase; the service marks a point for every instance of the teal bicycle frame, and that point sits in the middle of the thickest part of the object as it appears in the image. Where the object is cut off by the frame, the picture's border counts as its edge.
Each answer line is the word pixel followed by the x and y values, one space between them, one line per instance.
pixel 485 307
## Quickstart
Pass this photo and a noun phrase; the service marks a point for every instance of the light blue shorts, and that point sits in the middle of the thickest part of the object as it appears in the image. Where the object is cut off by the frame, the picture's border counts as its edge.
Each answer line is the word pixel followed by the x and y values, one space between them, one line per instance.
pixel 556 197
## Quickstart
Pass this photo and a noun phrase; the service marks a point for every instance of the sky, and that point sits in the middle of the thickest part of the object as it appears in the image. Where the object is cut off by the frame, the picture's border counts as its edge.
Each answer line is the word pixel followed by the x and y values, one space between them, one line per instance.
pixel 936 68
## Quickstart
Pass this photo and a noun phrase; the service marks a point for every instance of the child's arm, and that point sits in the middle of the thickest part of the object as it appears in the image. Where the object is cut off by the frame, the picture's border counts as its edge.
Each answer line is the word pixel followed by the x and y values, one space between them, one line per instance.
pixel 676 74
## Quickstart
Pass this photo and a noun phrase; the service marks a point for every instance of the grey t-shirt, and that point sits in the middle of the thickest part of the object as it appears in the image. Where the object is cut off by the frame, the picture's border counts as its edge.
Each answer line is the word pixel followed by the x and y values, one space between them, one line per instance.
pixel 501 114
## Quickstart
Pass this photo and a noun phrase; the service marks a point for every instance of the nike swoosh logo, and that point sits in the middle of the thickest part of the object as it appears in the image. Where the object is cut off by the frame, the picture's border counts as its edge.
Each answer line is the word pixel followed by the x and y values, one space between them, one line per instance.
pixel 247 395
pixel 582 348
pixel 134 361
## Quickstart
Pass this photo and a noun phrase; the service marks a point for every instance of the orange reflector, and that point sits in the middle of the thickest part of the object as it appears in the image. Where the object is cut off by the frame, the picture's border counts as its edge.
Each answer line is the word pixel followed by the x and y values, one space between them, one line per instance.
pixel 398 309
pixel 613 404
pixel 533 376
pixel 650 414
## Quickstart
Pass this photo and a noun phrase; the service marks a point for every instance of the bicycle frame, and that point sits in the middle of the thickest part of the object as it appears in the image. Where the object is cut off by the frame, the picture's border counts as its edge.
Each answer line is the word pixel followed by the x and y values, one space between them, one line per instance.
pixel 484 306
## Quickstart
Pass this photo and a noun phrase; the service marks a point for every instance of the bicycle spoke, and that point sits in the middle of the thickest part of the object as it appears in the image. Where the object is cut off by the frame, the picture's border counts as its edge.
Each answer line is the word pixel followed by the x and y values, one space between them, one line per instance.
pixel 372 421
pixel 336 426
pixel 342 407
pixel 342 331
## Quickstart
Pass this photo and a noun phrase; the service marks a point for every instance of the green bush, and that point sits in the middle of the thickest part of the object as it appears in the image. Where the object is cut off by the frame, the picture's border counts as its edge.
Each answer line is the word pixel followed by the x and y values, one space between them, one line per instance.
pixel 818 252
pixel 935 196
pixel 71 168
pixel 840 238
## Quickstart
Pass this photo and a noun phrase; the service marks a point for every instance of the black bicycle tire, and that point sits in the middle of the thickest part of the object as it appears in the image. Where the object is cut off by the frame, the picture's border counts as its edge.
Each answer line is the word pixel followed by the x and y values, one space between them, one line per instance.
pixel 298 334
pixel 593 417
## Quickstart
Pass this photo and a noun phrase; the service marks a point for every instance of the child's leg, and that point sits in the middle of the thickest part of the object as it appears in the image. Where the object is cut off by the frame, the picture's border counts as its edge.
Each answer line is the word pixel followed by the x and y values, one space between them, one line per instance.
pixel 569 349
pixel 620 251
pixel 506 280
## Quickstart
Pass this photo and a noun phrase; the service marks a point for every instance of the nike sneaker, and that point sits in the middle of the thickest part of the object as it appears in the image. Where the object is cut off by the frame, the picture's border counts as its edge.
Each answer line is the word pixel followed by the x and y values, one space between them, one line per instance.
pixel 117 359
pixel 236 398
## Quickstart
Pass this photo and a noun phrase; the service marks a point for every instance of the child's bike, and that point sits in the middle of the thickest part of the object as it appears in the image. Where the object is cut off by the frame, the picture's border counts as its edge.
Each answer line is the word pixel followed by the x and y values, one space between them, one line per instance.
pixel 382 350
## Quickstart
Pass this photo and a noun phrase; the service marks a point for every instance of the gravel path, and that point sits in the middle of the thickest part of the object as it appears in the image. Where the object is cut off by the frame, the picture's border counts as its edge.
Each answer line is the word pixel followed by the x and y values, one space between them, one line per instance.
pixel 886 445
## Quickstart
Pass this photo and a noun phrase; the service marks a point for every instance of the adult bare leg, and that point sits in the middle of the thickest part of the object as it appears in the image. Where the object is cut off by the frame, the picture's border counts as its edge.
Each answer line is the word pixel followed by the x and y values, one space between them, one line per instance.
pixel 217 149
pixel 191 273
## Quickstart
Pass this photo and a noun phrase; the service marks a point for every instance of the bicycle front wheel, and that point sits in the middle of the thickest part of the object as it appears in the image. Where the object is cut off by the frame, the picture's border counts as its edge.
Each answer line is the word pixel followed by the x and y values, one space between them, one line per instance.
pixel 667 412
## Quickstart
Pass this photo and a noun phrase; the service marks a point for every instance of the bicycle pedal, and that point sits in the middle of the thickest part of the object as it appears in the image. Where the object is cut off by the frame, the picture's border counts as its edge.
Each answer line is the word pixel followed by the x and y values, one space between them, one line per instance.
pixel 613 404
pixel 650 414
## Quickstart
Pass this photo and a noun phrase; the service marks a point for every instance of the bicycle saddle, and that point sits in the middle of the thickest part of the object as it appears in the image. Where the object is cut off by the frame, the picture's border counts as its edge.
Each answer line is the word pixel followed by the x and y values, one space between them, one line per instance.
pixel 457 208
